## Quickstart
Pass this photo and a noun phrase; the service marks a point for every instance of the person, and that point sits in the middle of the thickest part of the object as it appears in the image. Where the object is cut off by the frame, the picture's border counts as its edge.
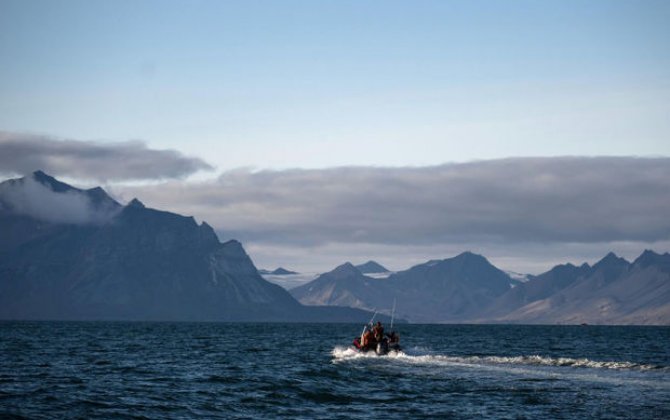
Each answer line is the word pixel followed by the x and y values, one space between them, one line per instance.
pixel 378 331
pixel 394 338
pixel 394 341
pixel 366 341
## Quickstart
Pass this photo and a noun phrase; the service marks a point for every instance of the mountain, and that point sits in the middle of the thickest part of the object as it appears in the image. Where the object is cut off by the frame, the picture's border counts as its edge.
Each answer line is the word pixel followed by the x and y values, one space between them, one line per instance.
pixel 467 288
pixel 77 254
pixel 371 267
pixel 26 195
pixel 447 290
pixel 69 253
pixel 343 286
pixel 537 288
pixel 39 205
pixel 613 291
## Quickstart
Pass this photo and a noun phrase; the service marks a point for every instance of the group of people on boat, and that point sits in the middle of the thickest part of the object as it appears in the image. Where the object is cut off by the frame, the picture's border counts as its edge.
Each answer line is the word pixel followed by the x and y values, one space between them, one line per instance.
pixel 374 339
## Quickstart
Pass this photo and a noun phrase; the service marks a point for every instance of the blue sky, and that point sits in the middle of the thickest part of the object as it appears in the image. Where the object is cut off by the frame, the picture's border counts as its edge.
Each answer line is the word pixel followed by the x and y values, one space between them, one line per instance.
pixel 324 131
pixel 319 84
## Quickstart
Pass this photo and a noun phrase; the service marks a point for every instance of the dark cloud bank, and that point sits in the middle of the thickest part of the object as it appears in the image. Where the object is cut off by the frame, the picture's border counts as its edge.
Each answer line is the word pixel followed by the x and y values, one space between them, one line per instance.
pixel 121 161
pixel 516 200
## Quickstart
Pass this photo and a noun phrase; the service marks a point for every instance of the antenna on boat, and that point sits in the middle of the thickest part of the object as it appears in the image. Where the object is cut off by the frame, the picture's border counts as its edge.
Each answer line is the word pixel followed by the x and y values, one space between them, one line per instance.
pixel 393 314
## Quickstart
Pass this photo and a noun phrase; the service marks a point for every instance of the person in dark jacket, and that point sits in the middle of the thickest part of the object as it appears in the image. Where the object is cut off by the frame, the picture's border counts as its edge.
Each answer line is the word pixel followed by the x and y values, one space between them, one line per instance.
pixel 378 331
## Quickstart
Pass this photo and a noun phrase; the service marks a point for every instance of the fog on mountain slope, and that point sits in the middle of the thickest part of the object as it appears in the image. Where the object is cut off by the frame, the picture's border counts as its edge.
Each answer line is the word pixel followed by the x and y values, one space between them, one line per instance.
pixel 44 198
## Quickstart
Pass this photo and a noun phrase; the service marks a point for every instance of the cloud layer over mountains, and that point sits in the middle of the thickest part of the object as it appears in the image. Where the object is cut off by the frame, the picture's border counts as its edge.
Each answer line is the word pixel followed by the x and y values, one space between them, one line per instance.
pixel 569 199
pixel 120 161
pixel 509 209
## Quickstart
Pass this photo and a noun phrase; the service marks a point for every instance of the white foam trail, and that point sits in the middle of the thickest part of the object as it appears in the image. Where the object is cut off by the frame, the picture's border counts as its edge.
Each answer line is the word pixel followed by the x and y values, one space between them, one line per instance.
pixel 536 360
pixel 348 353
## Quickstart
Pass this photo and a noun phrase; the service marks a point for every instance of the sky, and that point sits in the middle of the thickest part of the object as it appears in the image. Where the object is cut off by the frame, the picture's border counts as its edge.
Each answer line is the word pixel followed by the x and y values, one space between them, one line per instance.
pixel 324 131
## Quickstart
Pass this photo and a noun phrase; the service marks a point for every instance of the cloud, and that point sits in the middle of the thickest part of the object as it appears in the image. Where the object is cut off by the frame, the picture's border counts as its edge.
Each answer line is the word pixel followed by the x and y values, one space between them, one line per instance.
pixel 525 214
pixel 516 200
pixel 120 161
pixel 34 199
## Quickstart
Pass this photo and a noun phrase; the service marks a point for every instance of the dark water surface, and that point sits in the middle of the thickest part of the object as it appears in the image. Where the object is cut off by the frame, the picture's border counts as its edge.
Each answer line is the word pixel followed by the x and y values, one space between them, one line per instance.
pixel 177 370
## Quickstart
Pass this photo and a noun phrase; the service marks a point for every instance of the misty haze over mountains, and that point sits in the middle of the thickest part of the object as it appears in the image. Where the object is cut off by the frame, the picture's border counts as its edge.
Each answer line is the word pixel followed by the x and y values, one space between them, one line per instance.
pixel 68 253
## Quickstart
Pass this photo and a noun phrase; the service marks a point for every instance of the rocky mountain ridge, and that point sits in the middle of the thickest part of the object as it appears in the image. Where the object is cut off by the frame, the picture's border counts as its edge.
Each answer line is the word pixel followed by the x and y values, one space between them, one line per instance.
pixel 467 288
pixel 69 253
pixel 134 263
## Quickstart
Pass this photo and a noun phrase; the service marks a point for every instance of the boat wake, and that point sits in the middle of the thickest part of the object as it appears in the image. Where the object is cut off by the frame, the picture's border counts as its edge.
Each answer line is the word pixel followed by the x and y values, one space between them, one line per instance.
pixel 419 356
pixel 349 353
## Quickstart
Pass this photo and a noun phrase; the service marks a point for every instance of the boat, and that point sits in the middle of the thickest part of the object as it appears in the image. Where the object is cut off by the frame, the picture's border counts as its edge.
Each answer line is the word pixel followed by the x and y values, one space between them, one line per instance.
pixel 367 343
pixel 373 339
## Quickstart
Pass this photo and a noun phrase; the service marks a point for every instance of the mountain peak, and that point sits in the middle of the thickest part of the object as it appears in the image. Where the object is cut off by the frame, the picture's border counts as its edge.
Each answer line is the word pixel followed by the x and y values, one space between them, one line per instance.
pixel 610 259
pixel 96 190
pixel 42 197
pixel 136 203
pixel 97 195
pixel 345 269
pixel 649 257
pixel 208 233
pixel 466 258
pixel 471 256
pixel 646 257
pixel 100 199
pixel 51 182
pixel 371 267
pixel 610 267
pixel 39 174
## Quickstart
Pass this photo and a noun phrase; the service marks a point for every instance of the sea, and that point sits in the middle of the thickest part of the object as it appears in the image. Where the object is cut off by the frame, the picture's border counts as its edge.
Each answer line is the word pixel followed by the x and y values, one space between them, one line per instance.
pixel 309 371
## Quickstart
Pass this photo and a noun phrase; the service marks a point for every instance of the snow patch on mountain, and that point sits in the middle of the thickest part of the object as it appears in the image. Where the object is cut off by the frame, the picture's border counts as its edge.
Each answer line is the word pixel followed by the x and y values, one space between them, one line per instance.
pixel 517 278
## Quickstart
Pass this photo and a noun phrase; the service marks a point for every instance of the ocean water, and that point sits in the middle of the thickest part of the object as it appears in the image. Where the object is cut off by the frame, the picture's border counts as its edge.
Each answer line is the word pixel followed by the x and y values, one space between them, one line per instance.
pixel 219 370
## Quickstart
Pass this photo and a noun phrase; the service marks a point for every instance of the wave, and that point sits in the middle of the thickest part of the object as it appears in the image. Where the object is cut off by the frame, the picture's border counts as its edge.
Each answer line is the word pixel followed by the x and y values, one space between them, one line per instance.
pixel 348 353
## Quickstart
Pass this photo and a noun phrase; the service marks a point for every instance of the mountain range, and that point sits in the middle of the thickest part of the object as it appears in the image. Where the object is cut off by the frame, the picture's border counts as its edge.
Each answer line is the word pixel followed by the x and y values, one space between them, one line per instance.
pixel 468 288
pixel 73 254
pixel 78 254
